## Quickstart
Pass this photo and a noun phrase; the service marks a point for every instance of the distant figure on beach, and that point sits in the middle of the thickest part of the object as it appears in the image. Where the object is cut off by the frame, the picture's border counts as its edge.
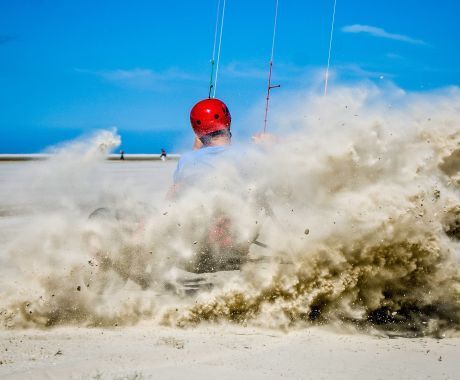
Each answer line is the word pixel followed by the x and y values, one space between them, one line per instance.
pixel 163 154
pixel 122 155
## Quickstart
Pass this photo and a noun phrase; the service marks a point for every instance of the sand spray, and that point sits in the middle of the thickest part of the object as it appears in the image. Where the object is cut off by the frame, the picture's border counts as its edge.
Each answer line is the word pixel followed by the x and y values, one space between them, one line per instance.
pixel 357 204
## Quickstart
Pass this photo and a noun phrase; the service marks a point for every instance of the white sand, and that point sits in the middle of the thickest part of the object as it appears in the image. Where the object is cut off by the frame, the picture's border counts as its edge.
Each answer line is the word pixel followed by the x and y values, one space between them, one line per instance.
pixel 224 352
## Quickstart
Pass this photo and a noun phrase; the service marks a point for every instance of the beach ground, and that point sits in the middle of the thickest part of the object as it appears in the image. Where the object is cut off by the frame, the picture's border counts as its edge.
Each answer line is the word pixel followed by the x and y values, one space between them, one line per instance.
pixel 225 352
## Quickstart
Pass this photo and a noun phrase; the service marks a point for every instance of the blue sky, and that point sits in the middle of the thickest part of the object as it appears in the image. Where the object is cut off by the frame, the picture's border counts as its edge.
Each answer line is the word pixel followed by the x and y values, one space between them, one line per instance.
pixel 68 68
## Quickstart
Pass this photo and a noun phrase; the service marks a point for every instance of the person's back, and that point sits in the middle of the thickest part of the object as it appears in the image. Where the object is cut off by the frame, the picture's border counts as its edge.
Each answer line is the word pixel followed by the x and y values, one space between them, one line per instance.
pixel 196 165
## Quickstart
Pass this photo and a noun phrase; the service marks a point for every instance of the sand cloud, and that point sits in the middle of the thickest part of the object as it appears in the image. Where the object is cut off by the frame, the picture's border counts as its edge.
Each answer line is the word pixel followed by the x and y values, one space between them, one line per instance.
pixel 362 230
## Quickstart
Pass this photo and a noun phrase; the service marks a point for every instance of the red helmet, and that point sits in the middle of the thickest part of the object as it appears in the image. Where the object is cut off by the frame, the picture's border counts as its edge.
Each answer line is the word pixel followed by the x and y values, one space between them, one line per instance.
pixel 209 115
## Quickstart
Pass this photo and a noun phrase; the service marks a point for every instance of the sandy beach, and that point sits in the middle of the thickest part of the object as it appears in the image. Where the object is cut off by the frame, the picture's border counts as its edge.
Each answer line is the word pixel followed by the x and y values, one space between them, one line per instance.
pixel 225 352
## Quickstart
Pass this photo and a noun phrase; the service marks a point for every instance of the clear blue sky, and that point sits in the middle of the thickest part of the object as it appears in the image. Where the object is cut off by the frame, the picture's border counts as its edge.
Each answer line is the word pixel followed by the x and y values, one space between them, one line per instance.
pixel 69 67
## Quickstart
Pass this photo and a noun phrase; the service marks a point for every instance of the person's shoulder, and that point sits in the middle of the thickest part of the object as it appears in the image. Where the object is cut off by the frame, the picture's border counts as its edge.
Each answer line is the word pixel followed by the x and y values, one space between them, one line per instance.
pixel 201 152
